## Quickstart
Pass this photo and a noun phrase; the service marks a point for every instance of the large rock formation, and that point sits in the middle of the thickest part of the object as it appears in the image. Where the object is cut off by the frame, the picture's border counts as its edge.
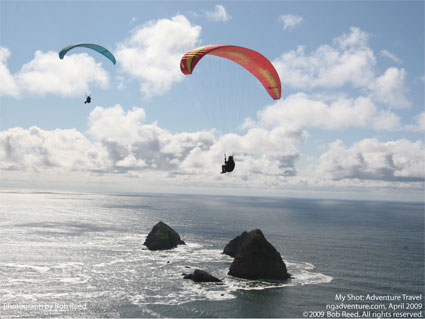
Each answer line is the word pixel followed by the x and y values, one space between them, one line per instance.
pixel 255 258
pixel 162 237
pixel 201 276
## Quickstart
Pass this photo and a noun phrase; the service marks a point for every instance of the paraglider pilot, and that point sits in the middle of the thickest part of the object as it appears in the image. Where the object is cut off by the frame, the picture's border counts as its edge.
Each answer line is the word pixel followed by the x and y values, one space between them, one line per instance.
pixel 88 99
pixel 229 165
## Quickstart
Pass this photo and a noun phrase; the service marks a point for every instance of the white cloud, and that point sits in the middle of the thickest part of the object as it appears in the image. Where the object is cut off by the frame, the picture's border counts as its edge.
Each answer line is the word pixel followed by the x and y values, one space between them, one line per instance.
pixel 132 144
pixel 290 20
pixel 114 124
pixel 419 125
pixel 8 84
pixel 131 162
pixel 354 40
pixel 219 14
pixel 370 159
pixel 390 88
pixel 302 110
pixel 390 56
pixel 129 141
pixel 36 149
pixel 153 51
pixel 123 143
pixel 348 61
pixel 421 121
pixel 47 74
pixel 386 121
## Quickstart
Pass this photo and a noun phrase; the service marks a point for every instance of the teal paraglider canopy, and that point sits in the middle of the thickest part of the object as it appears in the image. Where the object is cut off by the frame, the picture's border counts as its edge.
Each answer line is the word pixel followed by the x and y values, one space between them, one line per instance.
pixel 92 46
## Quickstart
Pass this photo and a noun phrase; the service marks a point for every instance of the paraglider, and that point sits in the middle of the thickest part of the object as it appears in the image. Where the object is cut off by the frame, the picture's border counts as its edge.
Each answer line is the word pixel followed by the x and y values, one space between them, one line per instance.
pixel 92 46
pixel 251 60
pixel 229 165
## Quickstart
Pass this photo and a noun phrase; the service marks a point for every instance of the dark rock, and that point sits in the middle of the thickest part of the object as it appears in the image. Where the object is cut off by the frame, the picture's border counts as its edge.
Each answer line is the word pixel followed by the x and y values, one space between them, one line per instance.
pixel 256 258
pixel 201 276
pixel 187 276
pixel 232 247
pixel 162 237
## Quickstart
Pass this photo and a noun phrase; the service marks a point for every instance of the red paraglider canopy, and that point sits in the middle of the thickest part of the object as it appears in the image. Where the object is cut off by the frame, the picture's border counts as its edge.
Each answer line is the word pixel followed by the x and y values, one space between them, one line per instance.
pixel 251 60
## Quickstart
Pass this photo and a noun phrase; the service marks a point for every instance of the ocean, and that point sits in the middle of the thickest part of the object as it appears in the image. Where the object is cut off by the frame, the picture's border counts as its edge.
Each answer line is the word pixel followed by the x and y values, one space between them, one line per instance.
pixel 81 255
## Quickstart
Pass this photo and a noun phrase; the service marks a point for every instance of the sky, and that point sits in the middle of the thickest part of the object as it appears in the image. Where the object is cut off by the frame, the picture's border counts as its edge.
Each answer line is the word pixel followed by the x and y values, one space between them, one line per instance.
pixel 349 125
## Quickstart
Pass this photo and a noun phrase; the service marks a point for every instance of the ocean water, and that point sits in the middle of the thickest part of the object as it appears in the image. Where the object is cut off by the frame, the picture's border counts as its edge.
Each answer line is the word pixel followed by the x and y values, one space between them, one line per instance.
pixel 82 255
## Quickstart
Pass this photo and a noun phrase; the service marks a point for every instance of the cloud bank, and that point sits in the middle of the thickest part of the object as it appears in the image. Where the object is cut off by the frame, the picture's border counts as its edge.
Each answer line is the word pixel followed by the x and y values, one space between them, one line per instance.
pixel 370 159
pixel 122 143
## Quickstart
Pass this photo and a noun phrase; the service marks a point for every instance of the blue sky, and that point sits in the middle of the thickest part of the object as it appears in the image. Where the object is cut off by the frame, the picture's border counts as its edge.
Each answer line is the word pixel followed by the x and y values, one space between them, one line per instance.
pixel 350 123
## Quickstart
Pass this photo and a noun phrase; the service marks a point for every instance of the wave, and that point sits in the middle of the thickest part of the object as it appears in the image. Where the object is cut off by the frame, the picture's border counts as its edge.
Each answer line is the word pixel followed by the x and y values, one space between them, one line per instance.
pixel 139 276
pixel 32 268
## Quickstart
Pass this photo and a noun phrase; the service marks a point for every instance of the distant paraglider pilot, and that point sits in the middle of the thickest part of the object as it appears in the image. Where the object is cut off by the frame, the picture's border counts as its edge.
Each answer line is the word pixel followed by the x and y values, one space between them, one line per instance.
pixel 229 165
pixel 88 99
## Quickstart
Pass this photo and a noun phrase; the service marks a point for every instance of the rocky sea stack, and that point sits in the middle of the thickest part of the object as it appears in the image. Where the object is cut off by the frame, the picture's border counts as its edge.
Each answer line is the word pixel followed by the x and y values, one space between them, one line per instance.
pixel 255 258
pixel 162 237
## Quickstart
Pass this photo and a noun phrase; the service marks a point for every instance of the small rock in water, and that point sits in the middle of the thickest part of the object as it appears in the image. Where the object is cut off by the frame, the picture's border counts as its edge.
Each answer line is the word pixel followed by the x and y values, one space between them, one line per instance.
pixel 201 276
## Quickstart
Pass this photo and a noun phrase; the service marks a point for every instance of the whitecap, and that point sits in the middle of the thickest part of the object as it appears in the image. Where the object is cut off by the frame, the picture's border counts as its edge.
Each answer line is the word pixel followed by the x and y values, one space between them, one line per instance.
pixel 73 280
pixel 39 269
